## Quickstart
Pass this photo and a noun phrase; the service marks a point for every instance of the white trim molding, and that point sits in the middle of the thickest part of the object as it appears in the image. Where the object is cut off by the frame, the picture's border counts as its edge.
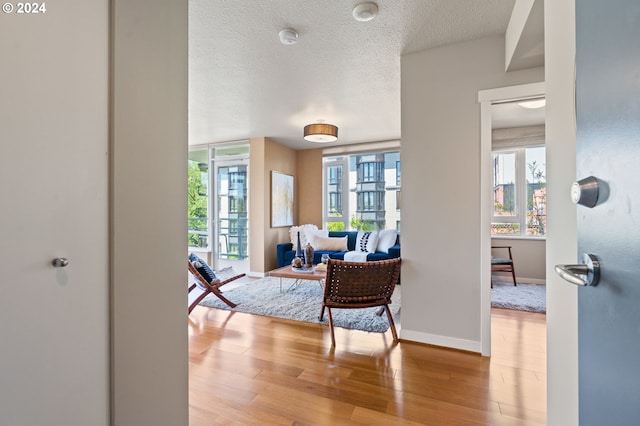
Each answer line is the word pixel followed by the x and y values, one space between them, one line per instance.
pixel 444 341
pixel 486 98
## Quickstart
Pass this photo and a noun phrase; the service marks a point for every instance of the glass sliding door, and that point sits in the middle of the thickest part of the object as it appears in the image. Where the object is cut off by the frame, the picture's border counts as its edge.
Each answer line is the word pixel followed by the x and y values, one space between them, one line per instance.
pixel 218 196
pixel 231 225
pixel 230 207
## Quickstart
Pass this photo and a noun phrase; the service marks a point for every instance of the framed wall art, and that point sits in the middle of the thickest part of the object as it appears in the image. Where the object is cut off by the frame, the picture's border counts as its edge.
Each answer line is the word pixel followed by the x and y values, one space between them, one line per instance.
pixel 281 199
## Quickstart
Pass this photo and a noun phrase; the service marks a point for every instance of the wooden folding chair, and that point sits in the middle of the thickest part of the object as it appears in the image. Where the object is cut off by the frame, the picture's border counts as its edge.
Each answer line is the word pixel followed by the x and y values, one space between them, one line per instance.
pixel 352 285
pixel 212 287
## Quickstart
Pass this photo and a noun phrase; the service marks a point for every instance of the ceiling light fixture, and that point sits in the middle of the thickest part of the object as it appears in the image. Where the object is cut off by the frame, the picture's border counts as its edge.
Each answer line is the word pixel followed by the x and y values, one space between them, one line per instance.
pixel 320 133
pixel 533 104
pixel 288 36
pixel 365 12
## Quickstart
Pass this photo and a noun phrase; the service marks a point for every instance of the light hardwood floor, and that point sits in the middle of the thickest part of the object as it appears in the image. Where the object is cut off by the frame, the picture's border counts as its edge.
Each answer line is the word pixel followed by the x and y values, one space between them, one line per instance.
pixel 253 370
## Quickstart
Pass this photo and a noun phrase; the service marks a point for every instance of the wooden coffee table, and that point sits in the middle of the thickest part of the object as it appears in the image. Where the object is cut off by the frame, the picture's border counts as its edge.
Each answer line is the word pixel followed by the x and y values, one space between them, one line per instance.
pixel 288 272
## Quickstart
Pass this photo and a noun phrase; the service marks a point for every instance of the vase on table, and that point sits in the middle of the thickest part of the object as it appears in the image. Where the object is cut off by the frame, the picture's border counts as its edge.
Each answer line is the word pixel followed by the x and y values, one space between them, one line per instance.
pixel 299 252
pixel 298 258
pixel 308 256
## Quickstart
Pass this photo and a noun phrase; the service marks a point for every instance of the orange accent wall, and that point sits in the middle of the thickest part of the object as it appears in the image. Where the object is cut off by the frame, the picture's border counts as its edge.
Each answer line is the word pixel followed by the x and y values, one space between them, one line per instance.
pixel 309 187
pixel 306 168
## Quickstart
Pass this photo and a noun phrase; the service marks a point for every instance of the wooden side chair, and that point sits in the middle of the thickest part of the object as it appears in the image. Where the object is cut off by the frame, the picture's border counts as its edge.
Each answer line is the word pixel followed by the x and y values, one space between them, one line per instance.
pixel 208 281
pixel 503 264
pixel 354 285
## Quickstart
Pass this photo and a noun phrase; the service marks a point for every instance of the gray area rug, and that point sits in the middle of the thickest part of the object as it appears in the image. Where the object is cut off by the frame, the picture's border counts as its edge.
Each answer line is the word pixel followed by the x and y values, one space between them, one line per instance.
pixel 523 297
pixel 300 302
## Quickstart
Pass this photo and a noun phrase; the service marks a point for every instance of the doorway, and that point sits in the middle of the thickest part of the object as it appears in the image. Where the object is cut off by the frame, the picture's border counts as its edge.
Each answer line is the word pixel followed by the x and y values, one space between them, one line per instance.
pixel 517 221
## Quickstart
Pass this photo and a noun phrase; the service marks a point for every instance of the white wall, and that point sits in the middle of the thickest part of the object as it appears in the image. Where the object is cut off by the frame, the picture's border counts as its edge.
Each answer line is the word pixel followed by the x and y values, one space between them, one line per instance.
pixel 529 259
pixel 562 308
pixel 441 157
pixel 148 208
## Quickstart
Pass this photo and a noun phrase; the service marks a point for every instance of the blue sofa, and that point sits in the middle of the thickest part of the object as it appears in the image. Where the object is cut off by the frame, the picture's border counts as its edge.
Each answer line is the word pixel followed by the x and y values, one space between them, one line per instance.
pixel 286 253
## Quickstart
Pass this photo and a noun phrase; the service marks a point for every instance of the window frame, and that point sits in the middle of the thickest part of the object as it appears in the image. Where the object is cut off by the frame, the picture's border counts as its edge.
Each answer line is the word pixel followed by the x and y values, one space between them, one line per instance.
pixel 329 178
pixel 520 187
pixel 363 171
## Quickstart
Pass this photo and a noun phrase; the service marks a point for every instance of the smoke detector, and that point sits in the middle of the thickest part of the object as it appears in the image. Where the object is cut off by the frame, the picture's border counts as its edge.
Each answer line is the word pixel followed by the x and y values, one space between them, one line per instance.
pixel 288 36
pixel 365 11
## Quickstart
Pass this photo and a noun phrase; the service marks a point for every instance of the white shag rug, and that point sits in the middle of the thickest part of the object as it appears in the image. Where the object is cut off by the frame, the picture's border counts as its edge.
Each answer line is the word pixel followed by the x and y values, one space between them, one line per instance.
pixel 523 297
pixel 301 302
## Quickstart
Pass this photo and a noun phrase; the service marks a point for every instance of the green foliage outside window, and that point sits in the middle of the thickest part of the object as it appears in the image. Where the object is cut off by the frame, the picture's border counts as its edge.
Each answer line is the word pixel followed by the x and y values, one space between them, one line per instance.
pixel 197 205
pixel 536 204
pixel 362 225
pixel 335 226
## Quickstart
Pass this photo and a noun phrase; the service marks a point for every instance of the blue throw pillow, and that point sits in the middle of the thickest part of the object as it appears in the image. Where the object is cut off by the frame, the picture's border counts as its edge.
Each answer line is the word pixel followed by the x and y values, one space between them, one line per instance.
pixel 202 268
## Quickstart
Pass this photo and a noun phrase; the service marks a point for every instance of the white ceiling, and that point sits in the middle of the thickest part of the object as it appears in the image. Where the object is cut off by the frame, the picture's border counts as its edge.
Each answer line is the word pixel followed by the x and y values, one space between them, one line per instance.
pixel 511 114
pixel 244 83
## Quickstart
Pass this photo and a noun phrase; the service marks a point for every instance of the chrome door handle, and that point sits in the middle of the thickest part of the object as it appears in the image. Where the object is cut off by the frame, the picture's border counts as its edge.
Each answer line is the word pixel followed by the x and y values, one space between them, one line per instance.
pixel 585 274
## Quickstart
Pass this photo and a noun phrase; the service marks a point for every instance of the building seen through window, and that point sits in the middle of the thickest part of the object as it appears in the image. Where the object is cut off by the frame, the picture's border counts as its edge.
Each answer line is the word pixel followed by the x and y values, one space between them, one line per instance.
pixel 519 192
pixel 218 201
pixel 361 191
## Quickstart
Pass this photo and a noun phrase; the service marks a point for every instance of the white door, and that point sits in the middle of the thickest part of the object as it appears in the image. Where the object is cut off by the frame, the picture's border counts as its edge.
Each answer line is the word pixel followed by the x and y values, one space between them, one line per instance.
pixel 54 204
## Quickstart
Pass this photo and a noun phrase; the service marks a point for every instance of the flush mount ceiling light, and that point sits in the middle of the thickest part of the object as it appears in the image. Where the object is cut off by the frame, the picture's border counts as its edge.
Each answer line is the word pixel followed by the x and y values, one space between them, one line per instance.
pixel 533 104
pixel 365 11
pixel 320 133
pixel 288 36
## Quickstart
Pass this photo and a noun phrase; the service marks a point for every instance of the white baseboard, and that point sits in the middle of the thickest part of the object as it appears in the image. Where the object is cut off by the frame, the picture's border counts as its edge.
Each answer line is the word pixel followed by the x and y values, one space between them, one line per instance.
pixel 444 341
pixel 523 280
pixel 256 274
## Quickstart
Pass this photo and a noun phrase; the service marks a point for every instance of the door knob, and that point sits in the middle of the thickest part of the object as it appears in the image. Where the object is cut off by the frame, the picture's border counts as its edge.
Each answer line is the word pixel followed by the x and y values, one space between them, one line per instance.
pixel 585 192
pixel 584 274
pixel 60 262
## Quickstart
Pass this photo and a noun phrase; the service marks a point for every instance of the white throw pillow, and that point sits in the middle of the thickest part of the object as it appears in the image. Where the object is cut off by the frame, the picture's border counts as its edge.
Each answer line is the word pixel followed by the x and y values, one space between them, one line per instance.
pixel 330 243
pixel 293 234
pixel 367 241
pixel 386 239
pixel 313 234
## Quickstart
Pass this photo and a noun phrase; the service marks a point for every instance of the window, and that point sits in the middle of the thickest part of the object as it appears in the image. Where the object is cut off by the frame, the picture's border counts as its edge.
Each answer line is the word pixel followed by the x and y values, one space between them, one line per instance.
pixel 367 201
pixel 335 203
pixel 335 175
pixel 370 172
pixel 519 191
pixel 361 191
pixel 198 204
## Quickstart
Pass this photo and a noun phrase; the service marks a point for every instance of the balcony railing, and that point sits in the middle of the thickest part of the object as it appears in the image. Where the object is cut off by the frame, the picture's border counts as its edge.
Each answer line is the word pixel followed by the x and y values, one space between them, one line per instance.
pixel 232 236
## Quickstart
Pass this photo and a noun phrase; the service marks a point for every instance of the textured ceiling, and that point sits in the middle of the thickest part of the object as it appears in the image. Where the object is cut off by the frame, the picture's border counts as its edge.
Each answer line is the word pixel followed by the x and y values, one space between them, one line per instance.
pixel 244 83
pixel 510 114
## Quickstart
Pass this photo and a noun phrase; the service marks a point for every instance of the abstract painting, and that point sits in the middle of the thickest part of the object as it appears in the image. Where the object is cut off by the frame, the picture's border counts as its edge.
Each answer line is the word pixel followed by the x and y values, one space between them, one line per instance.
pixel 281 199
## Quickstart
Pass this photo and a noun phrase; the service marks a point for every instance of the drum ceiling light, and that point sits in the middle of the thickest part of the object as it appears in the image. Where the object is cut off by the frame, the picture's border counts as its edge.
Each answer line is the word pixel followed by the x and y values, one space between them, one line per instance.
pixel 320 133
